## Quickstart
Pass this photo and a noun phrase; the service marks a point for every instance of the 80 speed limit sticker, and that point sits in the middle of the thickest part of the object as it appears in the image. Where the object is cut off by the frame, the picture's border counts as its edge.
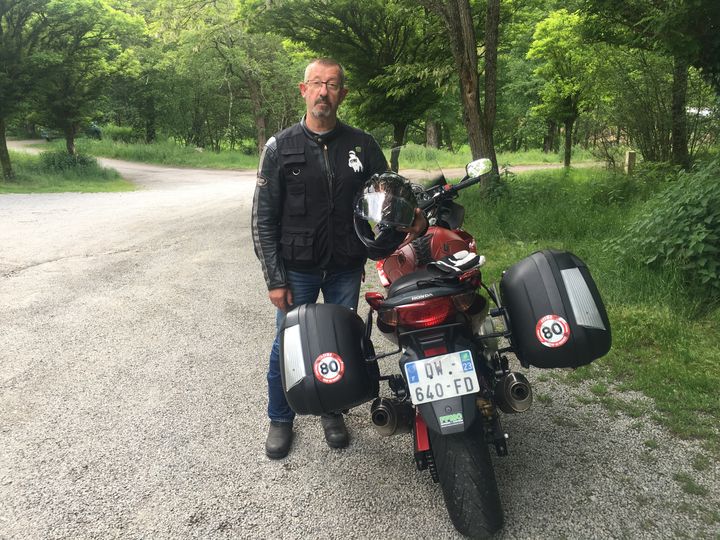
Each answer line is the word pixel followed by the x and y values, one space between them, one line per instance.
pixel 552 331
pixel 328 368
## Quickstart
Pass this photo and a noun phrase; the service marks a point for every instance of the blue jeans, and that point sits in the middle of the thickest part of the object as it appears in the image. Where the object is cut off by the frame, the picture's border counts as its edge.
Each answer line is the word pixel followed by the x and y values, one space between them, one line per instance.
pixel 341 287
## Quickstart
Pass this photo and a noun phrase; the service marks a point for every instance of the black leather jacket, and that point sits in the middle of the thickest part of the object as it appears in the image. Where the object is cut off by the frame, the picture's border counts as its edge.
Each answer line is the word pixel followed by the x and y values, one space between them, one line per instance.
pixel 302 217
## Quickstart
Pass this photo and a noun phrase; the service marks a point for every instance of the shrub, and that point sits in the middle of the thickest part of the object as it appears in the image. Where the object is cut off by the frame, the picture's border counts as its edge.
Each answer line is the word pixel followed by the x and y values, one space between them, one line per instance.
pixel 646 179
pixel 680 227
pixel 59 160
pixel 124 134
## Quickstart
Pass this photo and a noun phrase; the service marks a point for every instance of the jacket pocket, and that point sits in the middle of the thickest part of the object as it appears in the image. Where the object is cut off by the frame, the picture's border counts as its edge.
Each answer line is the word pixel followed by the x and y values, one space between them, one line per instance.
pixel 295 199
pixel 297 244
pixel 293 161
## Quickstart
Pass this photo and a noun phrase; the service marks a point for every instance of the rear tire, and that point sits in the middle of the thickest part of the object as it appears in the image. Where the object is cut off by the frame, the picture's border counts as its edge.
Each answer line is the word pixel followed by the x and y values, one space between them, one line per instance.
pixel 466 475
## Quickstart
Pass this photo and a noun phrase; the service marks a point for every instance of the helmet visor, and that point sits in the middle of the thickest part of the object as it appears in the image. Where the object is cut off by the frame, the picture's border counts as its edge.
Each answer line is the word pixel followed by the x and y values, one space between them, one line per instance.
pixel 382 208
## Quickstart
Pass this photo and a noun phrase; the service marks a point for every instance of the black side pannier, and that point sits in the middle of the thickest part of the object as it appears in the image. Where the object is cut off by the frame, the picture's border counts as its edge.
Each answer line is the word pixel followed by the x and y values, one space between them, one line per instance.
pixel 557 317
pixel 322 361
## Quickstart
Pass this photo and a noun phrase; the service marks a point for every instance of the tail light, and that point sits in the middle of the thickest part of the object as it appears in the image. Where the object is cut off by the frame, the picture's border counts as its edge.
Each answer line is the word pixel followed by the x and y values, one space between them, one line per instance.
pixel 426 313
pixel 431 312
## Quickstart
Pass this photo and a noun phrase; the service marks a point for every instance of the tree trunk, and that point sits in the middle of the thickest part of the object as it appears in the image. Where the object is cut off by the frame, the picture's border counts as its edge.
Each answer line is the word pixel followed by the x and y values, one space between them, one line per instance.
pixel 492 24
pixel 432 134
pixel 447 137
pixel 398 140
pixel 150 116
pixel 69 131
pixel 257 112
pixel 568 140
pixel 679 136
pixel 457 16
pixel 549 138
pixel 7 171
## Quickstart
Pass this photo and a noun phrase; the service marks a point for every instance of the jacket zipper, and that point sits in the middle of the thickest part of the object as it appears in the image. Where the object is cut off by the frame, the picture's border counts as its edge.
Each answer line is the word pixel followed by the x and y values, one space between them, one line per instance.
pixel 329 177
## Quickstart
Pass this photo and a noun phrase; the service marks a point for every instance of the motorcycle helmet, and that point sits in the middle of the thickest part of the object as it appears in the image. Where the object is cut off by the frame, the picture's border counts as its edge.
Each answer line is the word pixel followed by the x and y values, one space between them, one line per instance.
pixel 386 202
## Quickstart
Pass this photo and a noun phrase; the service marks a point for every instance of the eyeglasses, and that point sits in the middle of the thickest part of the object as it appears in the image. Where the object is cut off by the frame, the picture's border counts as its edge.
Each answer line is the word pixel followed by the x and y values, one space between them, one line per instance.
pixel 332 86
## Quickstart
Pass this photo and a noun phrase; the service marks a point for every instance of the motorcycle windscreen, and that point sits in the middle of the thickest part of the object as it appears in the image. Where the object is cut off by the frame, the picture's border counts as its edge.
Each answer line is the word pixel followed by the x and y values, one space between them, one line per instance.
pixel 322 362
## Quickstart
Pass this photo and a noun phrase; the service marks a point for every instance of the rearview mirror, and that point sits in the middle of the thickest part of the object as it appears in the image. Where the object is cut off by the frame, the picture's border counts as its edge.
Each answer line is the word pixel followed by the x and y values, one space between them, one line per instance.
pixel 478 167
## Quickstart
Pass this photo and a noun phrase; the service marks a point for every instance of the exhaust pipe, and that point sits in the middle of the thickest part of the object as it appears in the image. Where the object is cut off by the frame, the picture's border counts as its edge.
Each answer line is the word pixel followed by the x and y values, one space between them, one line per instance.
pixel 513 393
pixel 392 417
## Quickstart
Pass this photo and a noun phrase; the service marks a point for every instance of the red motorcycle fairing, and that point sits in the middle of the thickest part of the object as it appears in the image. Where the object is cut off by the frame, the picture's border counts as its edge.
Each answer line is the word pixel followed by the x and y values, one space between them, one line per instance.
pixel 437 243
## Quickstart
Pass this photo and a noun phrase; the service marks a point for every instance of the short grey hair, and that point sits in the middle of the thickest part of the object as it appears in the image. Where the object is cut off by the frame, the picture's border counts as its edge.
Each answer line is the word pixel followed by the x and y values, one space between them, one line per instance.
pixel 326 62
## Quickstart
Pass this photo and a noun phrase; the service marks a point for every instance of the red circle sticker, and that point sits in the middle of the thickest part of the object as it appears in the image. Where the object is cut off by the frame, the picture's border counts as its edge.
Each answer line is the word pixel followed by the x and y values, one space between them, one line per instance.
pixel 552 331
pixel 328 368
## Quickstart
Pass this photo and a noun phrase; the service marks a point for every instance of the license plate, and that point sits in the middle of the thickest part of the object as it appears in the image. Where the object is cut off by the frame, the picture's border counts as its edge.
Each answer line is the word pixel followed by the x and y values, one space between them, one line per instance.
pixel 441 377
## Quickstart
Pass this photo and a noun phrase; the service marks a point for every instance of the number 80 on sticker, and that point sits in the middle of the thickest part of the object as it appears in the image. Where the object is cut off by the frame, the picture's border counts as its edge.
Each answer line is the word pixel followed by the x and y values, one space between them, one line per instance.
pixel 552 331
pixel 328 368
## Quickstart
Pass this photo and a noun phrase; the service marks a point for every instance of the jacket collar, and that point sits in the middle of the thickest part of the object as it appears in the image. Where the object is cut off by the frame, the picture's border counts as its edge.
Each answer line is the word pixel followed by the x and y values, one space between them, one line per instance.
pixel 325 137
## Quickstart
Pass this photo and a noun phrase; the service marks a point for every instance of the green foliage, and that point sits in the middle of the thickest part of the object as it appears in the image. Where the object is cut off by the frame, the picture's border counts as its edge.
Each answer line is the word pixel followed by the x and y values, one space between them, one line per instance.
pixel 84 47
pixel 663 345
pixel 385 47
pixel 36 174
pixel 124 134
pixel 169 152
pixel 54 161
pixel 680 227
pixel 622 189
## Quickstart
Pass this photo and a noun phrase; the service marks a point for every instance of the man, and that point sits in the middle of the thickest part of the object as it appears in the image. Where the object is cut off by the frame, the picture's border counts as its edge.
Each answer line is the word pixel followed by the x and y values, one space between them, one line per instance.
pixel 302 224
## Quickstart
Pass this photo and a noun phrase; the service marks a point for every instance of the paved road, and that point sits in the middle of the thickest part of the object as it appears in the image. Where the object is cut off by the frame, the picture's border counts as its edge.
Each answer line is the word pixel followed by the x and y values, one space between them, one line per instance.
pixel 133 341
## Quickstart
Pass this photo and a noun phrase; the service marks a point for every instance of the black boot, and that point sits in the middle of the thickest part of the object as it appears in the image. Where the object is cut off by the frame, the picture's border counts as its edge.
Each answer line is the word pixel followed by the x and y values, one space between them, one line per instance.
pixel 279 439
pixel 336 434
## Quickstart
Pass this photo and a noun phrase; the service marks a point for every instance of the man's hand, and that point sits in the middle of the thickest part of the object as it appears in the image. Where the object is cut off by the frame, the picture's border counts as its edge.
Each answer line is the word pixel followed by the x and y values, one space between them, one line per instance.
pixel 281 298
pixel 418 228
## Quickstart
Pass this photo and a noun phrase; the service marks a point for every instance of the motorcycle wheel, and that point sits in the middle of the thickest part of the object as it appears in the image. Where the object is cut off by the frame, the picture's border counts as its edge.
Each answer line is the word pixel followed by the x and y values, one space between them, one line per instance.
pixel 466 475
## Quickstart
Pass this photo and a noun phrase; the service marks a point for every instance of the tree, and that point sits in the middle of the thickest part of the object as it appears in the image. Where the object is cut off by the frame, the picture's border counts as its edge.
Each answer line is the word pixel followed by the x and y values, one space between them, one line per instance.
pixel 21 22
pixel 233 85
pixel 566 66
pixel 370 38
pixel 458 18
pixel 686 31
pixel 83 47
pixel 258 66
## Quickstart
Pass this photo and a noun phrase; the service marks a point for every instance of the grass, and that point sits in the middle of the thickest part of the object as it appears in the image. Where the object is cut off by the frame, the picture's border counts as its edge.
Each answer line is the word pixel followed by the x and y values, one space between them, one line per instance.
pixel 545 399
pixel 420 157
pixel 664 339
pixel 689 485
pixel 32 176
pixel 165 153
pixel 701 462
pixel 413 156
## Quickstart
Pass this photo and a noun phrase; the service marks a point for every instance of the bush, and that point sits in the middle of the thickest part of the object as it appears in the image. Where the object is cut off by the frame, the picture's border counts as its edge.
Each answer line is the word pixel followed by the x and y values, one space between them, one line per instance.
pixel 124 134
pixel 648 178
pixel 59 161
pixel 680 227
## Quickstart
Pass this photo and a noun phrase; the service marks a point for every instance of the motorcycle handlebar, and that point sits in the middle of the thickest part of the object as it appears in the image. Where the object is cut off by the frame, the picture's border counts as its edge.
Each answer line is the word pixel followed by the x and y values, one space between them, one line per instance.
pixel 466 182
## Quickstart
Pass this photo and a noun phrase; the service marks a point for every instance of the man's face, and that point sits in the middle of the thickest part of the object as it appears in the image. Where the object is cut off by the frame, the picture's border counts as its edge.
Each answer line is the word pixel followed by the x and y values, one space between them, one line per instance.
pixel 322 101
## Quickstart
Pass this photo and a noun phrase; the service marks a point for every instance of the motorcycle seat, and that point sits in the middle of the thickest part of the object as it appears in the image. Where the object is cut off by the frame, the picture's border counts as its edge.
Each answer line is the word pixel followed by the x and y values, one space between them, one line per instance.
pixel 422 284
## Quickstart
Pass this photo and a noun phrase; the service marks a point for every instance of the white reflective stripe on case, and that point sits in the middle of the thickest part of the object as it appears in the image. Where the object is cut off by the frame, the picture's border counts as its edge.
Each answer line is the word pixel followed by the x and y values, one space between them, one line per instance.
pixel 583 306
pixel 294 363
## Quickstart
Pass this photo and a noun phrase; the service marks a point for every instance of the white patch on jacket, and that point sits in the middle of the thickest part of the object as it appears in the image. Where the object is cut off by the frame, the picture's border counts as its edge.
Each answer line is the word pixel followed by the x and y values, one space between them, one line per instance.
pixel 354 162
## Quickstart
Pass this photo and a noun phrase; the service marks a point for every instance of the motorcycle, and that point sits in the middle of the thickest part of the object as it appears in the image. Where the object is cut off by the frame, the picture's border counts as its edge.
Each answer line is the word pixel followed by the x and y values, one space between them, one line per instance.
pixel 453 334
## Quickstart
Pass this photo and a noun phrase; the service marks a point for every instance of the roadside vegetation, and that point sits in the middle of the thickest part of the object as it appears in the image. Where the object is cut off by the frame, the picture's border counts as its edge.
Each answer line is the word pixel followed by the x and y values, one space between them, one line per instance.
pixel 656 267
pixel 165 152
pixel 171 153
pixel 56 171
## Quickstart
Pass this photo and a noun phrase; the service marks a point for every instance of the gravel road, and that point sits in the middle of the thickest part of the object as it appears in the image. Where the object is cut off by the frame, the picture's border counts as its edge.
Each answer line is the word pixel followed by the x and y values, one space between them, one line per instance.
pixel 133 342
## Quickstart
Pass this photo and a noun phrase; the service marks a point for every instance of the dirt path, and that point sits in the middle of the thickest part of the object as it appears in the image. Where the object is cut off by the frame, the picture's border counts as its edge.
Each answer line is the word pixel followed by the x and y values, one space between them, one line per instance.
pixel 134 334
